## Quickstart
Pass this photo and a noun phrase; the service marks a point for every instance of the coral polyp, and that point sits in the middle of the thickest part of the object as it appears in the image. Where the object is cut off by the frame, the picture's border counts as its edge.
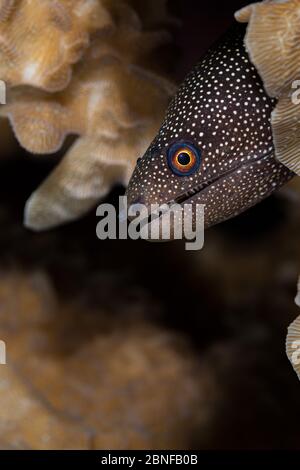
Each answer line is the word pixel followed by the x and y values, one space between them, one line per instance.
pixel 86 69
pixel 39 45
pixel 272 41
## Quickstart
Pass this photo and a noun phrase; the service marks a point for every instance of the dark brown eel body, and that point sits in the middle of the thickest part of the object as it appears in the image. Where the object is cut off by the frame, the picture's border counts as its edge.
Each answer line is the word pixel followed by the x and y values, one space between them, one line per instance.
pixel 215 146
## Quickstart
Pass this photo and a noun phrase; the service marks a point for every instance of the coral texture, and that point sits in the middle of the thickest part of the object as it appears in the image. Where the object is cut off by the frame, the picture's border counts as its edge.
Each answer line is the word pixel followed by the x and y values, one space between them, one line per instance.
pixel 84 381
pixel 273 43
pixel 39 45
pixel 85 69
pixel 272 40
pixel 293 338
pixel 293 345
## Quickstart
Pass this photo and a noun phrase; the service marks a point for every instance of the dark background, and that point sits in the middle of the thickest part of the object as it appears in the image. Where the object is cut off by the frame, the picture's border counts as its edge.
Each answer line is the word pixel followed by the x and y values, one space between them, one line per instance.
pixel 232 302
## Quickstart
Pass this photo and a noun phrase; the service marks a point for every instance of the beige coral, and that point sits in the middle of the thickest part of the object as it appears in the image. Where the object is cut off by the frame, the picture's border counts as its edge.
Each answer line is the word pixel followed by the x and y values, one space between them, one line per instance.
pixel 273 42
pixel 40 42
pixel 293 338
pixel 293 345
pixel 114 102
pixel 78 379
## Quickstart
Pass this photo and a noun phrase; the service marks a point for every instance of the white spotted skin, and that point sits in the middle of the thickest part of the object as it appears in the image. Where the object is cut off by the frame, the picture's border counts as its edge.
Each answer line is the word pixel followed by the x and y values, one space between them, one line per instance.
pixel 224 111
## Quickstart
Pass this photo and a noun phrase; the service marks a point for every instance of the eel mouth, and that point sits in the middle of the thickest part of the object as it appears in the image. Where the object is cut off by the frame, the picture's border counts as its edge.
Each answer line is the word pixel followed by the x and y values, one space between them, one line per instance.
pixel 190 193
pixel 164 209
pixel 222 197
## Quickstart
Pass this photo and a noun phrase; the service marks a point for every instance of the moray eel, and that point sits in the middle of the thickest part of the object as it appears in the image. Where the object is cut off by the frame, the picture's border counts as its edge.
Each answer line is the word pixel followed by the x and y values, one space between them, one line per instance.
pixel 215 146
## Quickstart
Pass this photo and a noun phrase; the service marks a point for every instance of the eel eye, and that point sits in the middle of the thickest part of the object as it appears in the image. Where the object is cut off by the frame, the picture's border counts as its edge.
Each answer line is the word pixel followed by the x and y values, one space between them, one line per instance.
pixel 183 159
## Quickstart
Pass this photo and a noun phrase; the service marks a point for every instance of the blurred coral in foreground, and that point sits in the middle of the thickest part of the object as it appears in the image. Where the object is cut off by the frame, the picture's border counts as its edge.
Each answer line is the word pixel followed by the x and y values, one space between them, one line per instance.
pixel 103 352
pixel 88 68
pixel 272 40
pixel 85 381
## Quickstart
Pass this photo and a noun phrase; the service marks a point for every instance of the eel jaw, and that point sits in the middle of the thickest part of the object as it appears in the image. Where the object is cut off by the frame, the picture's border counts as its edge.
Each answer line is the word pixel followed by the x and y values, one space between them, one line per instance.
pixel 236 190
pixel 223 197
pixel 190 193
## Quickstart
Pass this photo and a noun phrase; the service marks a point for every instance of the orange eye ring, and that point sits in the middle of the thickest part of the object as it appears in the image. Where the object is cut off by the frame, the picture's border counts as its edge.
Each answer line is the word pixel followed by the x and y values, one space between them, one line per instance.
pixel 184 159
